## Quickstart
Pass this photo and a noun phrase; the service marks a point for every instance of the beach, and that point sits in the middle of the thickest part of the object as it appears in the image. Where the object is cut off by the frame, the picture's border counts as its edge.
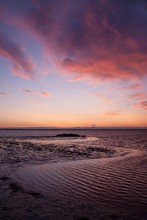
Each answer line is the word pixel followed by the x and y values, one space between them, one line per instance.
pixel 45 177
pixel 73 110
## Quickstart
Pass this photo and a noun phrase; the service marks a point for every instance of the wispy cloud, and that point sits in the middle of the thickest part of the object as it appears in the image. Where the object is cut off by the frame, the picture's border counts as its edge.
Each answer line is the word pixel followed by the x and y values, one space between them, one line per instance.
pixel 112 113
pixel 21 64
pixel 75 79
pixel 94 39
pixel 138 95
pixel 99 95
pixel 28 91
pixel 46 94
pixel 3 93
pixel 133 86
pixel 142 105
pixel 42 93
pixel 114 52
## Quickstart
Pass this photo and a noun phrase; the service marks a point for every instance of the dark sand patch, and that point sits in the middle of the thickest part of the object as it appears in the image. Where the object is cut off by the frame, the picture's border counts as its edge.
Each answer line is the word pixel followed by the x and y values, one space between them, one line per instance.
pixel 15 187
pixel 34 194
pixel 4 178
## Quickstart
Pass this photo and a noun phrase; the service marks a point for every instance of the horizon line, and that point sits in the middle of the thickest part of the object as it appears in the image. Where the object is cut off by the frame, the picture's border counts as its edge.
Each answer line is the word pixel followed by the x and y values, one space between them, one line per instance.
pixel 88 127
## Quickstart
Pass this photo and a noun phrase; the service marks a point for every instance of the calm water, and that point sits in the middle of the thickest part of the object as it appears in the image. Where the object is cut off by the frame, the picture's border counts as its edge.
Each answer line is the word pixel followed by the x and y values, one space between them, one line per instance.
pixel 88 132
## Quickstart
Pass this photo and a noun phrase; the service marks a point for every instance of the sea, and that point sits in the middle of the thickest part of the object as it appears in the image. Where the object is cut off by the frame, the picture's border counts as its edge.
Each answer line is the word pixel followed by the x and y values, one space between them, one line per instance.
pixel 84 131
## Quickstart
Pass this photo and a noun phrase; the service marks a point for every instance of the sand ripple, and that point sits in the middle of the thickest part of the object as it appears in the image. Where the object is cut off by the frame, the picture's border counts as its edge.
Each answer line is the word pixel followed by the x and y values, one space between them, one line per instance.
pixel 118 183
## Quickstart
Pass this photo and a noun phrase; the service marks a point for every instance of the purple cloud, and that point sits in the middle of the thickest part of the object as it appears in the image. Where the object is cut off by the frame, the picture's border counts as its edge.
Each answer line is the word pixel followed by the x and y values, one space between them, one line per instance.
pixel 22 66
pixel 42 93
pixel 28 91
pixel 102 39
pixel 99 39
pixel 3 93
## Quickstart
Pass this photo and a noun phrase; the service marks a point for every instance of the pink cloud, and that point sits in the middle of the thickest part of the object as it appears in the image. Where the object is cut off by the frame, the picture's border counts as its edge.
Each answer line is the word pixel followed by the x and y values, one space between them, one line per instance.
pixel 75 79
pixel 92 46
pixel 138 95
pixel 91 39
pixel 42 93
pixel 22 66
pixel 99 95
pixel 3 93
pixel 20 72
pixel 108 68
pixel 141 105
pixel 112 113
pixel 46 94
pixel 133 86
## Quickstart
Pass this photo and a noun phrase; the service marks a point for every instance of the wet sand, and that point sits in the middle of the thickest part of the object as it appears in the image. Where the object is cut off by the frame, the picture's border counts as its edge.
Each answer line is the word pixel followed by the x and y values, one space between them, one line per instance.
pixel 110 188
pixel 40 179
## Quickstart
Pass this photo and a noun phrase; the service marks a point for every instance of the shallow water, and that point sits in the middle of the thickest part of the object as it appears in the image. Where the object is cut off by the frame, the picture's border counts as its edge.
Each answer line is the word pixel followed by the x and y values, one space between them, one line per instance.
pixel 23 146
pixel 88 132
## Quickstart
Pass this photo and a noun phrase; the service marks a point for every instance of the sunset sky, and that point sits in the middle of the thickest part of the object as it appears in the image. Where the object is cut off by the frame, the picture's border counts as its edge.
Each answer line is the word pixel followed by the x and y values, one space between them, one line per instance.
pixel 73 63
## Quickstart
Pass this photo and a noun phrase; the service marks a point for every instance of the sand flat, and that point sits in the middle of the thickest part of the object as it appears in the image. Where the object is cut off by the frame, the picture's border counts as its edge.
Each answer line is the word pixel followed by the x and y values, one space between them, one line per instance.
pixel 102 178
pixel 115 184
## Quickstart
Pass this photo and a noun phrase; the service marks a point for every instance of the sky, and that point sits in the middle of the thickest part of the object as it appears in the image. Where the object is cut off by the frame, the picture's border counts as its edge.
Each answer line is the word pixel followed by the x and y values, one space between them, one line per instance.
pixel 68 63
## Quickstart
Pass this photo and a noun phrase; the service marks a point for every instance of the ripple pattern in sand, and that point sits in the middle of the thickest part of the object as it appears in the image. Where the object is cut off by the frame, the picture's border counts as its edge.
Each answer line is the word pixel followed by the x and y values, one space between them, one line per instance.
pixel 112 183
